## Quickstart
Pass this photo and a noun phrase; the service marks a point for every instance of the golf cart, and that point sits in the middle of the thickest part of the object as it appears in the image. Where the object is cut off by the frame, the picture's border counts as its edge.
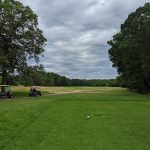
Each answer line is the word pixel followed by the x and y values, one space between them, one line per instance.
pixel 5 91
pixel 35 91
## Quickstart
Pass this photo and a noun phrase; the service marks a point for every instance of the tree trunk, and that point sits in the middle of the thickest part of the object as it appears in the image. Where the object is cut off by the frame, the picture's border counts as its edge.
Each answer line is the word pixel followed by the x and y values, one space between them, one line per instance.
pixel 4 74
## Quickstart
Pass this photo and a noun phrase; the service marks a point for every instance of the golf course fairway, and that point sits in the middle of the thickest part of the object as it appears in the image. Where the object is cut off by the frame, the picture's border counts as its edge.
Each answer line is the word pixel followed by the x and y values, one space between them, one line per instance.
pixel 76 118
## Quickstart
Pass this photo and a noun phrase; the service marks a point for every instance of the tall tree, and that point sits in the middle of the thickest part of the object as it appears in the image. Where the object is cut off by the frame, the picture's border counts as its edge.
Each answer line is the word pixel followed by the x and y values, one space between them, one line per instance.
pixel 20 37
pixel 130 50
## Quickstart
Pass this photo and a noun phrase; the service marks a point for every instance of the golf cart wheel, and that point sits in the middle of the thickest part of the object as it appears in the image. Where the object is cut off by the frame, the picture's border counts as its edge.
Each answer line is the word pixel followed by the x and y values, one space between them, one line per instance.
pixel 11 96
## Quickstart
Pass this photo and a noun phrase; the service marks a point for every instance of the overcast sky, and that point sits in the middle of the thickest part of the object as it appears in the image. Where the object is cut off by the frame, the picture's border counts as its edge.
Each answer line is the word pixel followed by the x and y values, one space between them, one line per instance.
pixel 77 32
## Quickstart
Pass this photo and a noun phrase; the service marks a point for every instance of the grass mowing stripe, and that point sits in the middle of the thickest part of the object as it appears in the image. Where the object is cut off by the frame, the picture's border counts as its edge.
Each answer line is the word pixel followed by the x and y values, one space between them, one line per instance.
pixel 118 120
pixel 31 118
pixel 36 132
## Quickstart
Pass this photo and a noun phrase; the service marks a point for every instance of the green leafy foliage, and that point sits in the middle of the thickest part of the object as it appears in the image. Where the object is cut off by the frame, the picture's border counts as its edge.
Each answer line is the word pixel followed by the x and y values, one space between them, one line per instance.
pixel 95 82
pixel 20 37
pixel 130 50
pixel 36 75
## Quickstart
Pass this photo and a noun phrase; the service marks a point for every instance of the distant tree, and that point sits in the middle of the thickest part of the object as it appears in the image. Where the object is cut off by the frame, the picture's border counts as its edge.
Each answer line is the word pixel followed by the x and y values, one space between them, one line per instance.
pixel 36 75
pixel 20 37
pixel 130 50
pixel 32 75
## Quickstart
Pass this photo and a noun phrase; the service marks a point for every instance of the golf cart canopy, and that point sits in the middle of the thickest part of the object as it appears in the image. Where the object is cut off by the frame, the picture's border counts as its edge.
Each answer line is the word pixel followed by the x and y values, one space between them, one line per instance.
pixel 35 87
pixel 5 88
pixel 5 91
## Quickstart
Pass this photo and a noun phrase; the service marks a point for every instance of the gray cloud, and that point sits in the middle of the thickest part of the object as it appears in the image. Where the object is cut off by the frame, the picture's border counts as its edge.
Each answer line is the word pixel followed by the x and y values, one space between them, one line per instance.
pixel 77 33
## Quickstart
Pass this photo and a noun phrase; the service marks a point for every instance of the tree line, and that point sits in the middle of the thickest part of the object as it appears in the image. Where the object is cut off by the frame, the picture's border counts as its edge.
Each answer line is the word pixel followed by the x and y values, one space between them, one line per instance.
pixel 36 75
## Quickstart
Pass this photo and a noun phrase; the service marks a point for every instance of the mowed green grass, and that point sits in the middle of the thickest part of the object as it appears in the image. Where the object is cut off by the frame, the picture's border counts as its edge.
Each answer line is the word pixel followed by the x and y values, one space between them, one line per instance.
pixel 119 120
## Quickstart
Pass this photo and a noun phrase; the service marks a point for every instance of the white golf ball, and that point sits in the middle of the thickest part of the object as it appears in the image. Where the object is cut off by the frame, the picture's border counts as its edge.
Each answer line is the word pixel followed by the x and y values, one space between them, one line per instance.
pixel 88 116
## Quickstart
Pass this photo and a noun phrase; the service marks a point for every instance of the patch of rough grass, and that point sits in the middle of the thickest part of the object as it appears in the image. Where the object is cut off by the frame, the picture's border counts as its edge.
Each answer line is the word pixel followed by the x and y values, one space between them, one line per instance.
pixel 73 89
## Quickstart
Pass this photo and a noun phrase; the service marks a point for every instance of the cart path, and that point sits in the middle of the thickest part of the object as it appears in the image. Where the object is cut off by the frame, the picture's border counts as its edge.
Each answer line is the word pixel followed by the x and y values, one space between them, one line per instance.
pixel 72 92
pixel 62 93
